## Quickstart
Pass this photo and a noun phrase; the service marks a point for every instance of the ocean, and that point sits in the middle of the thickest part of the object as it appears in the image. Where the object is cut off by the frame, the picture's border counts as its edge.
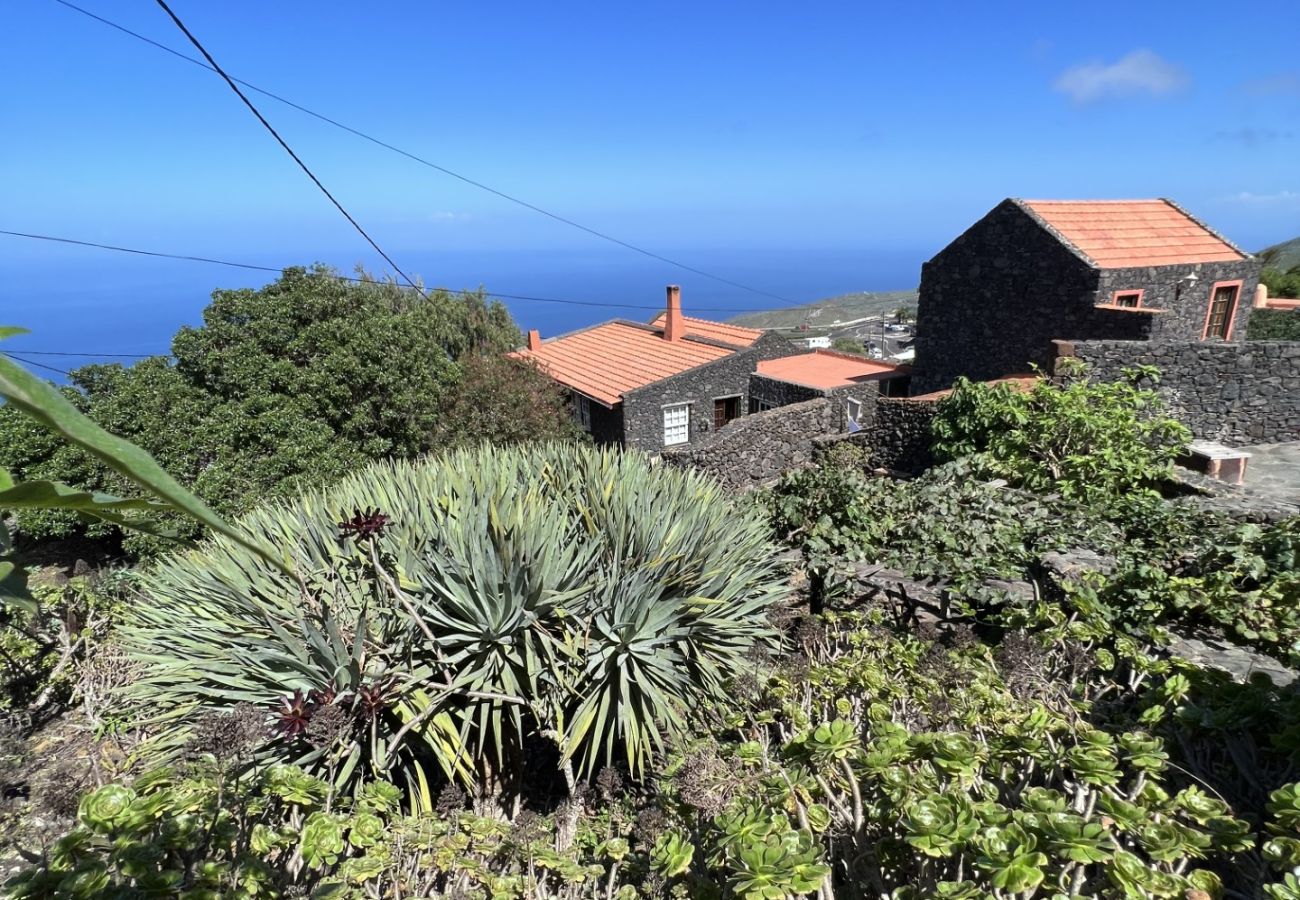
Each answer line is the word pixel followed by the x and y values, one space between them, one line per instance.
pixel 86 302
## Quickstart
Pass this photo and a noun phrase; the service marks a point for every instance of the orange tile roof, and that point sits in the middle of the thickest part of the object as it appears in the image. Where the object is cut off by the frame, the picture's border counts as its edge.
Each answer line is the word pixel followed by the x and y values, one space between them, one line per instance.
pixel 606 361
pixel 715 331
pixel 1117 234
pixel 825 369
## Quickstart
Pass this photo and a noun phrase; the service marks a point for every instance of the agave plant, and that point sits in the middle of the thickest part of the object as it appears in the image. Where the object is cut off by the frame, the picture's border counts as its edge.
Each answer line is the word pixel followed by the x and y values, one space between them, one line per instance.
pixel 441 613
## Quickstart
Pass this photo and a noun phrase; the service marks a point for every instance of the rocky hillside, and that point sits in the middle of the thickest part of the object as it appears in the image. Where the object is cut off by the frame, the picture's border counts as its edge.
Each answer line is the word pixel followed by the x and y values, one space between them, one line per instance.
pixel 1282 256
pixel 823 313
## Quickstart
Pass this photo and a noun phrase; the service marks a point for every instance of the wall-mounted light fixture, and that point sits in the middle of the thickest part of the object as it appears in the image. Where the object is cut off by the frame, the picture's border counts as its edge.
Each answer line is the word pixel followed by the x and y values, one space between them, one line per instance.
pixel 1190 278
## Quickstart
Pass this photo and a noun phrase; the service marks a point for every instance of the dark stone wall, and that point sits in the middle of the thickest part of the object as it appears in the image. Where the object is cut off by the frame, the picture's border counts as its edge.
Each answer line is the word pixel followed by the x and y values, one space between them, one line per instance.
pixel 606 424
pixel 898 437
pixel 1185 307
pixel 780 393
pixel 1233 393
pixel 866 393
pixel 753 450
pixel 783 393
pixel 643 422
pixel 992 300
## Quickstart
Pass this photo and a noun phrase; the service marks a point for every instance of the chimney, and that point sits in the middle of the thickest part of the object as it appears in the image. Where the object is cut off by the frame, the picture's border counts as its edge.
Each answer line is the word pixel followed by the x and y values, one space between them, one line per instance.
pixel 674 327
pixel 534 340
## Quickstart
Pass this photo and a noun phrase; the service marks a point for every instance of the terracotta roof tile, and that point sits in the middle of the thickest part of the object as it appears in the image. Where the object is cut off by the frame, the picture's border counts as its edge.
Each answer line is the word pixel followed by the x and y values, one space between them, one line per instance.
pixel 606 361
pixel 1118 234
pixel 715 331
pixel 825 369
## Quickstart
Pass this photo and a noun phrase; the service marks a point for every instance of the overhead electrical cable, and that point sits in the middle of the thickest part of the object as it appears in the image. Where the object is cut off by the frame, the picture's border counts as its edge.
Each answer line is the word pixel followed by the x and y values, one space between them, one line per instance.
pixel 287 149
pixel 32 362
pixel 241 265
pixel 76 353
pixel 419 159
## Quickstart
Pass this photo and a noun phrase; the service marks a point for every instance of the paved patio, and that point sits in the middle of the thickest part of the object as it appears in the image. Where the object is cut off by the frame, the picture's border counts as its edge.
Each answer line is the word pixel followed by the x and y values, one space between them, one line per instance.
pixel 1274 469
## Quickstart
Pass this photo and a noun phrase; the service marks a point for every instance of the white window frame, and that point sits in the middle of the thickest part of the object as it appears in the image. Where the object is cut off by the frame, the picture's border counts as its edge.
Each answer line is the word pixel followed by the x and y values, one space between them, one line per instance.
pixel 677 431
pixel 582 411
pixel 853 409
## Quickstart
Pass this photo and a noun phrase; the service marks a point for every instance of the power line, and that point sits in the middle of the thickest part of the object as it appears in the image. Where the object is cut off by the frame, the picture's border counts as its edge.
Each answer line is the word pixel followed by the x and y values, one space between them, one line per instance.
pixel 32 362
pixel 287 149
pixel 75 353
pixel 241 265
pixel 424 162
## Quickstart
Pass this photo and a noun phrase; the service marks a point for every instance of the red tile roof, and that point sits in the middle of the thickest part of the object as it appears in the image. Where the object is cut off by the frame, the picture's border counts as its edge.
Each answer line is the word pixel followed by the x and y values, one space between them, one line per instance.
pixel 606 361
pixel 1117 234
pixel 715 331
pixel 826 369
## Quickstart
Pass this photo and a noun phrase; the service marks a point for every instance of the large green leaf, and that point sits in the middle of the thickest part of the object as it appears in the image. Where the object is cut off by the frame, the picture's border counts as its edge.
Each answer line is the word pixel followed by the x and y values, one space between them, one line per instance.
pixel 56 495
pixel 46 405
pixel 13 586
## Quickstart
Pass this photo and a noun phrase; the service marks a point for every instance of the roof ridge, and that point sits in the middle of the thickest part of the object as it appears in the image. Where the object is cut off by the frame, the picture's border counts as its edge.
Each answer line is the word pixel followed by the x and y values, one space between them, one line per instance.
pixel 1026 207
pixel 852 357
pixel 1244 253
pixel 1098 201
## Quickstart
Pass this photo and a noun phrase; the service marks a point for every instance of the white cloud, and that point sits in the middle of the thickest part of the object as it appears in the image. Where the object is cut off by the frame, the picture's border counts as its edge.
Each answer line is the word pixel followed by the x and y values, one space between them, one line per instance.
pixel 1286 83
pixel 1280 198
pixel 1140 72
pixel 1252 137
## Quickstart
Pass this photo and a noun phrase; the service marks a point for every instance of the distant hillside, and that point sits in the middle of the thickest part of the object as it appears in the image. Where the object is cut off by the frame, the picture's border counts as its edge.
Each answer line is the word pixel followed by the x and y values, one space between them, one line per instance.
pixel 826 313
pixel 1282 256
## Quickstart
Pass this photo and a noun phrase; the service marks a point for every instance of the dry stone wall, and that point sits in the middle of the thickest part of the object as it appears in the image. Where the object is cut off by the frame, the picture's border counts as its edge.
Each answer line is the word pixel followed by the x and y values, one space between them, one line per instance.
pixel 756 449
pixel 1234 393
pixel 897 437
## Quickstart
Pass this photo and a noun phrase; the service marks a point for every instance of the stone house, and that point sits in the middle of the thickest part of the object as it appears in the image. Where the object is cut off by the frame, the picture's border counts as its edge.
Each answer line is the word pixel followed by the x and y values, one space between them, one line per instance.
pixel 851 382
pixel 660 384
pixel 1034 271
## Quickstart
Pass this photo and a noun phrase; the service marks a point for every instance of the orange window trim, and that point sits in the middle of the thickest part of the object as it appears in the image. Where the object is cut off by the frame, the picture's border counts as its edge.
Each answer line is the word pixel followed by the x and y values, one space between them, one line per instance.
pixel 1114 298
pixel 1232 313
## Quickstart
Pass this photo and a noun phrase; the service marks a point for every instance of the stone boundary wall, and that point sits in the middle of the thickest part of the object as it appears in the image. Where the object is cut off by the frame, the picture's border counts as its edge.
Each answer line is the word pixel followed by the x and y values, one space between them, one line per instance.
pixel 1233 393
pixel 897 438
pixel 752 450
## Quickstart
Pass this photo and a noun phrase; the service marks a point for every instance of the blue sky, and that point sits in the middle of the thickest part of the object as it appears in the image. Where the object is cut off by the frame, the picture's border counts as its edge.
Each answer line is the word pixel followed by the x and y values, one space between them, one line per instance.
pixel 702 130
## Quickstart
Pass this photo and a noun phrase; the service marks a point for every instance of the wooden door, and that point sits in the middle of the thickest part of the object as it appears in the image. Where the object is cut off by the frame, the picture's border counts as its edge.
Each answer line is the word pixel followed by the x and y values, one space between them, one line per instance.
pixel 724 410
pixel 1223 305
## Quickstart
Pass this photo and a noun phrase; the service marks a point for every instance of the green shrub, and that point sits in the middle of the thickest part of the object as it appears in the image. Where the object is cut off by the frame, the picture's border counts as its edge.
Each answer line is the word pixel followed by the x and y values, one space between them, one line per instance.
pixel 503 595
pixel 1087 439
pixel 1273 325
pixel 973 771
pixel 291 385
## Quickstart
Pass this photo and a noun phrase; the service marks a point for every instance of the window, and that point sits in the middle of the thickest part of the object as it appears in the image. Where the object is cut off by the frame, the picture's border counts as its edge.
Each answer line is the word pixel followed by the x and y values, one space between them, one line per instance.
pixel 677 424
pixel 1126 299
pixel 854 409
pixel 582 411
pixel 758 405
pixel 724 410
pixel 1223 308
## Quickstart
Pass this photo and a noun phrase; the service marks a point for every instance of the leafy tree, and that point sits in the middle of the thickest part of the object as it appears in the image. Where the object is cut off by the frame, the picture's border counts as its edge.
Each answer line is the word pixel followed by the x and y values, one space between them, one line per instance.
pixel 848 345
pixel 503 401
pixel 904 314
pixel 292 384
pixel 1086 439
pixel 1280 283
